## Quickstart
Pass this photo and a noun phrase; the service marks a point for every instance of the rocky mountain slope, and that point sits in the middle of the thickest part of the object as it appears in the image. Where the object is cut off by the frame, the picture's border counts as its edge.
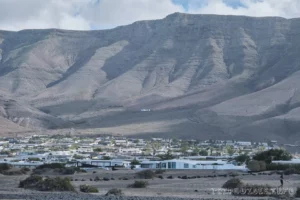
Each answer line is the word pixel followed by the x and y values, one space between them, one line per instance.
pixel 202 76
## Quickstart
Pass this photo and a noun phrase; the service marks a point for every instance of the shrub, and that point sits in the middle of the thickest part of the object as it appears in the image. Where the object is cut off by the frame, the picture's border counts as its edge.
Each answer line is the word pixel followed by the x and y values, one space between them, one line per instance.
pixel 38 171
pixel 25 170
pixel 114 191
pixel 146 174
pixel 170 177
pixel 243 158
pixel 134 162
pixel 138 184
pixel 48 184
pixel 254 165
pixel 272 154
pixel 55 184
pixel 297 194
pixel 232 183
pixel 88 189
pixel 68 171
pixel 30 182
pixel 276 166
pixel 262 166
pixel 4 167
pixel 34 159
pixel 184 177
pixel 106 158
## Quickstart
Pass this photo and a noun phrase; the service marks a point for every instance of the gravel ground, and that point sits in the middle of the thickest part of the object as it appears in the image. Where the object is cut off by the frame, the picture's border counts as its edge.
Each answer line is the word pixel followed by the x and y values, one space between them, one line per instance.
pixel 75 196
pixel 165 189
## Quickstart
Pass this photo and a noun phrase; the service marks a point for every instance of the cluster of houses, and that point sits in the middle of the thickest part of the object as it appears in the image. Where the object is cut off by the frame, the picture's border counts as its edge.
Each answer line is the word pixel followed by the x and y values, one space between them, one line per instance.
pixel 109 151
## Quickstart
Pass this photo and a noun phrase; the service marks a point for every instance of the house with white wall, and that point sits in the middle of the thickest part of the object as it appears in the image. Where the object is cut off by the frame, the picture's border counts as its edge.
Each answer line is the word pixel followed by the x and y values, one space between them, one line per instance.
pixel 191 164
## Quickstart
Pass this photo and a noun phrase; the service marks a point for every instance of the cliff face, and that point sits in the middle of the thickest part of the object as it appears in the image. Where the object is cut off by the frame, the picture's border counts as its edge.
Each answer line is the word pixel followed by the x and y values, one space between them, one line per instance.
pixel 202 76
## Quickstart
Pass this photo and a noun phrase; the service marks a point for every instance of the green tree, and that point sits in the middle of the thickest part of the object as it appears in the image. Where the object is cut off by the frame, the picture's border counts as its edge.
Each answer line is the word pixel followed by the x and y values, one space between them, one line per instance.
pixel 75 156
pixel 155 145
pixel 105 158
pixel 255 165
pixel 196 151
pixel 147 149
pixel 34 159
pixel 243 158
pixel 230 150
pixel 134 162
pixel 203 153
pixel 167 156
pixel 272 154
pixel 97 150
pixel 184 148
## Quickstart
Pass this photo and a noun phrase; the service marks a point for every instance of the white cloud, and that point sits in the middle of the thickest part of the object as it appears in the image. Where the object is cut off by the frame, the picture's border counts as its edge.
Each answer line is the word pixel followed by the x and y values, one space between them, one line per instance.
pixel 119 12
pixel 84 14
pixel 258 8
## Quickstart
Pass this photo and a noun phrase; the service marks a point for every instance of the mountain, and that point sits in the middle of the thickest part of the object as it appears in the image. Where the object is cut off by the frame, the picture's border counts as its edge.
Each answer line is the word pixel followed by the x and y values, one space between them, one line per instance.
pixel 201 76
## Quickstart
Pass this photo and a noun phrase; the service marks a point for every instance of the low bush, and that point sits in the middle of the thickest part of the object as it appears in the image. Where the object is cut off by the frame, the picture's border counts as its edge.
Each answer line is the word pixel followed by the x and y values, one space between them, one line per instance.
pixel 297 194
pixel 184 177
pixel 256 166
pixel 139 184
pixel 4 167
pixel 25 170
pixel 287 168
pixel 30 182
pixel 88 189
pixel 146 174
pixel 48 184
pixel 114 191
pixel 55 184
pixel 262 166
pixel 232 183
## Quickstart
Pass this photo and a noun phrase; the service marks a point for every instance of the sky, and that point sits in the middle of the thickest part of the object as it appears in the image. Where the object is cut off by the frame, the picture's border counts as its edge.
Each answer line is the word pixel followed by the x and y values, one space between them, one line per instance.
pixel 103 14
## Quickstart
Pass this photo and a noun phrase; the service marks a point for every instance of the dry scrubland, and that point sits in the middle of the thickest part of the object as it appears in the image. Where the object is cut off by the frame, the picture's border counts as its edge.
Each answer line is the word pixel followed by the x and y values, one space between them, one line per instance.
pixel 194 188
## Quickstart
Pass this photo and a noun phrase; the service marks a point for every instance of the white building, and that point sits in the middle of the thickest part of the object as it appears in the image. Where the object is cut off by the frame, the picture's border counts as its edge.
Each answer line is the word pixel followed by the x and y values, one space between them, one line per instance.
pixel 293 161
pixel 104 163
pixel 191 164
pixel 85 149
pixel 243 143
pixel 130 151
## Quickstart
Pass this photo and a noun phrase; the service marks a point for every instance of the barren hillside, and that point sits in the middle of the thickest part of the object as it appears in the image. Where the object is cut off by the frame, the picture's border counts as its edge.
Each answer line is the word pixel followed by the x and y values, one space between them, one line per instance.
pixel 202 76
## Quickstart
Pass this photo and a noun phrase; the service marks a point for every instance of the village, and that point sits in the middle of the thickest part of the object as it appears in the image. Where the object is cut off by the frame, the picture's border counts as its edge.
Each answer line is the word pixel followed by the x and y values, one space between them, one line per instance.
pixel 118 151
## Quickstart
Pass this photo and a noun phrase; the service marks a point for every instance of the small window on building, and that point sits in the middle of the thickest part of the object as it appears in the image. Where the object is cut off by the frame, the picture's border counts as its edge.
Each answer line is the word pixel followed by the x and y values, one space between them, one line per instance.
pixel 194 166
pixel 186 165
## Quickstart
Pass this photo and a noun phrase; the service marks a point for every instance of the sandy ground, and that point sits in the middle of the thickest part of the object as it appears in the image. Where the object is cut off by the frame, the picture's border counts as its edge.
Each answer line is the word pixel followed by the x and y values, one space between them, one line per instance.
pixel 198 188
